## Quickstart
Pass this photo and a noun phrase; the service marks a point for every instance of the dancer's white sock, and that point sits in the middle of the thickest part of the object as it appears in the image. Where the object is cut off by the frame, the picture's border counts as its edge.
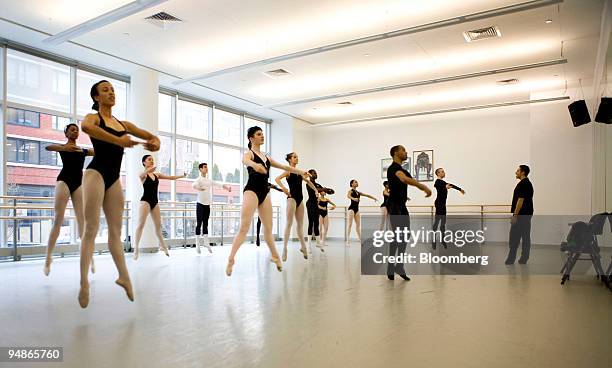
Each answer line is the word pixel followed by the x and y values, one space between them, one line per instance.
pixel 207 243
pixel 198 244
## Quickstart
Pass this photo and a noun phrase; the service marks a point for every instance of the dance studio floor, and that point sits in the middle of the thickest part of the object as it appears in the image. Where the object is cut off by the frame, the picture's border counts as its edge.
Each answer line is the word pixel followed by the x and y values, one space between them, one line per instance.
pixel 316 313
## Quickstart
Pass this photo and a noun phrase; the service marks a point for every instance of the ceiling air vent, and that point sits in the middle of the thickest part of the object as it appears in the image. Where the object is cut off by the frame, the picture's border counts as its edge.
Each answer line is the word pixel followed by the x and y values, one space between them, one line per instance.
pixel 163 20
pixel 345 103
pixel 505 82
pixel 277 73
pixel 481 34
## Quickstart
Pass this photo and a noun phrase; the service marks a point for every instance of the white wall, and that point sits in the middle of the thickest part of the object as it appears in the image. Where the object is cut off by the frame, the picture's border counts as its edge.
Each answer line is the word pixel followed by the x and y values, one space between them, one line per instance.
pixel 480 151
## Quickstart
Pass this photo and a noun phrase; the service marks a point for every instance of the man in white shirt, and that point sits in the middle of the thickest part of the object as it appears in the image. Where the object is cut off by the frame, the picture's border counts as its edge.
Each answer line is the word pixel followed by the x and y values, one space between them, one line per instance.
pixel 204 186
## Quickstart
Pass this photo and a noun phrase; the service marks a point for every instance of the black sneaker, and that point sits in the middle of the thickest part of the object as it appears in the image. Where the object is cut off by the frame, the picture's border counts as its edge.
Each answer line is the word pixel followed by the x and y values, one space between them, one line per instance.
pixel 391 277
pixel 404 276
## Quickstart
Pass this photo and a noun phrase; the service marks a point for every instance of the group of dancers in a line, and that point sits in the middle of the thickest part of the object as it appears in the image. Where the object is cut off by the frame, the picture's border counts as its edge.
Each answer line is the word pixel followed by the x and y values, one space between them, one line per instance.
pixel 101 180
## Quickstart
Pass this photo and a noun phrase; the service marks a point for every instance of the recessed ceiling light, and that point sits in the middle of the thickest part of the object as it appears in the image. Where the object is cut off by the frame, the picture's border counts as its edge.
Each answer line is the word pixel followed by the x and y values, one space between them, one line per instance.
pixel 548 21
pixel 367 55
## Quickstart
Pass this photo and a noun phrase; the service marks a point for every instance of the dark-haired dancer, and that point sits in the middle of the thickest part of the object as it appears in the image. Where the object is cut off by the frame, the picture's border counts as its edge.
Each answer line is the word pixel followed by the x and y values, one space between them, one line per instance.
pixel 295 205
pixel 353 211
pixel 399 180
pixel 68 186
pixel 109 137
pixel 384 214
pixel 256 196
pixel 149 200
pixel 204 186
pixel 323 218
pixel 522 211
pixel 442 188
pixel 312 207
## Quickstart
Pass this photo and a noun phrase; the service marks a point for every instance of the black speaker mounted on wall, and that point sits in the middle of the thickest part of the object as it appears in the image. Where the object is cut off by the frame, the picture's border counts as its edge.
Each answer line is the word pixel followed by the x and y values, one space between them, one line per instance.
pixel 604 113
pixel 579 113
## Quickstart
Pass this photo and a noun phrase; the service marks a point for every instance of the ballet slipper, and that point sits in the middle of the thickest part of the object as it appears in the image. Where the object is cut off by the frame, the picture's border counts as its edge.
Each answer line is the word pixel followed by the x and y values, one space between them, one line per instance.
pixel 93 266
pixel 136 254
pixel 285 254
pixel 47 268
pixel 230 266
pixel 84 297
pixel 320 246
pixel 279 264
pixel 127 286
pixel 165 250
pixel 304 252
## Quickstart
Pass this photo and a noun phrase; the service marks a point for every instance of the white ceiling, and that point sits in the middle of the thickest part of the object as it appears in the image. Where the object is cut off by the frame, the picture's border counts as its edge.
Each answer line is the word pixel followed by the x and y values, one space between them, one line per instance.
pixel 219 35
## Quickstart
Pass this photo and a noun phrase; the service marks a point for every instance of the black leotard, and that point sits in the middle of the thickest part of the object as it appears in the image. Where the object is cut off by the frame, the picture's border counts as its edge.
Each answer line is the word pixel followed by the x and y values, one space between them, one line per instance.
pixel 386 198
pixel 354 204
pixel 149 194
pixel 72 169
pixel 295 188
pixel 258 183
pixel 323 213
pixel 107 156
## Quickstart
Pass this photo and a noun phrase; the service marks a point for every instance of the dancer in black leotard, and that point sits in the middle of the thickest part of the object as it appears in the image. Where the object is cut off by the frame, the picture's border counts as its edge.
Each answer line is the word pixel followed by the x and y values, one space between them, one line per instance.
pixel 312 208
pixel 384 215
pixel 295 207
pixel 109 137
pixel 256 196
pixel 353 210
pixel 442 188
pixel 148 203
pixel 68 186
pixel 323 218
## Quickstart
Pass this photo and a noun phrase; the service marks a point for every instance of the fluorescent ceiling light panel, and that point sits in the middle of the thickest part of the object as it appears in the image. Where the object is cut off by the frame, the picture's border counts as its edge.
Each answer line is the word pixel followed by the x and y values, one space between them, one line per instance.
pixel 102 20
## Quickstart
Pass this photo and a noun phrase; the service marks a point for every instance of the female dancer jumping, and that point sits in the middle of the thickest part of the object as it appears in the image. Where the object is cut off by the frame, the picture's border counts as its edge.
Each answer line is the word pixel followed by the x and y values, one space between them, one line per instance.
pixel 68 186
pixel 353 210
pixel 109 137
pixel 149 200
pixel 384 214
pixel 295 203
pixel 256 196
pixel 324 220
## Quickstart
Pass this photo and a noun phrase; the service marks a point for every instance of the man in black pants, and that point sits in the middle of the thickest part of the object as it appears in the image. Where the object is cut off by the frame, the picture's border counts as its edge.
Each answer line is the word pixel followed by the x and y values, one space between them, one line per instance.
pixel 399 179
pixel 312 207
pixel 522 211
pixel 442 188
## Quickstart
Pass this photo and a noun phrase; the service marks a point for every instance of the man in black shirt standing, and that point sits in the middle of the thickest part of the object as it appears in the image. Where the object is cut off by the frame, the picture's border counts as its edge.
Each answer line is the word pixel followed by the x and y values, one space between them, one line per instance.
pixel 442 188
pixel 522 210
pixel 399 179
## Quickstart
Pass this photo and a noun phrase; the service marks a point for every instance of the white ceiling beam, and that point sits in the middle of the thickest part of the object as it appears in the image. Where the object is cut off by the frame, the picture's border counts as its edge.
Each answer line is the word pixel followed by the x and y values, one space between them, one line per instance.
pixel 402 32
pixel 421 83
pixel 102 20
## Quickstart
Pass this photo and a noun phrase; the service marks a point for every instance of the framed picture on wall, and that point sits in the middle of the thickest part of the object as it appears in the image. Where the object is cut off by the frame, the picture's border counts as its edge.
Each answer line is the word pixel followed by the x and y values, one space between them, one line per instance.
pixel 423 165
pixel 384 165
pixel 386 162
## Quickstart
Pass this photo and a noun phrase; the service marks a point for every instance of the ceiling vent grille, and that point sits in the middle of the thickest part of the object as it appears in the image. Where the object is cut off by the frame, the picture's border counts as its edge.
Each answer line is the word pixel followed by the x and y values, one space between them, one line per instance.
pixel 482 34
pixel 505 82
pixel 345 103
pixel 163 20
pixel 277 73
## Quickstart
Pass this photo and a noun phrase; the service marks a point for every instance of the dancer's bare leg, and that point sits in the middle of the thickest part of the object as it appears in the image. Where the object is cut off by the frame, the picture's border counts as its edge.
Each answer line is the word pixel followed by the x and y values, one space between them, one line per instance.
pixel 77 205
pixel 113 210
pixel 249 205
pixel 383 218
pixel 62 194
pixel 351 216
pixel 358 225
pixel 92 199
pixel 299 219
pixel 143 213
pixel 156 216
pixel 265 213
pixel 290 215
